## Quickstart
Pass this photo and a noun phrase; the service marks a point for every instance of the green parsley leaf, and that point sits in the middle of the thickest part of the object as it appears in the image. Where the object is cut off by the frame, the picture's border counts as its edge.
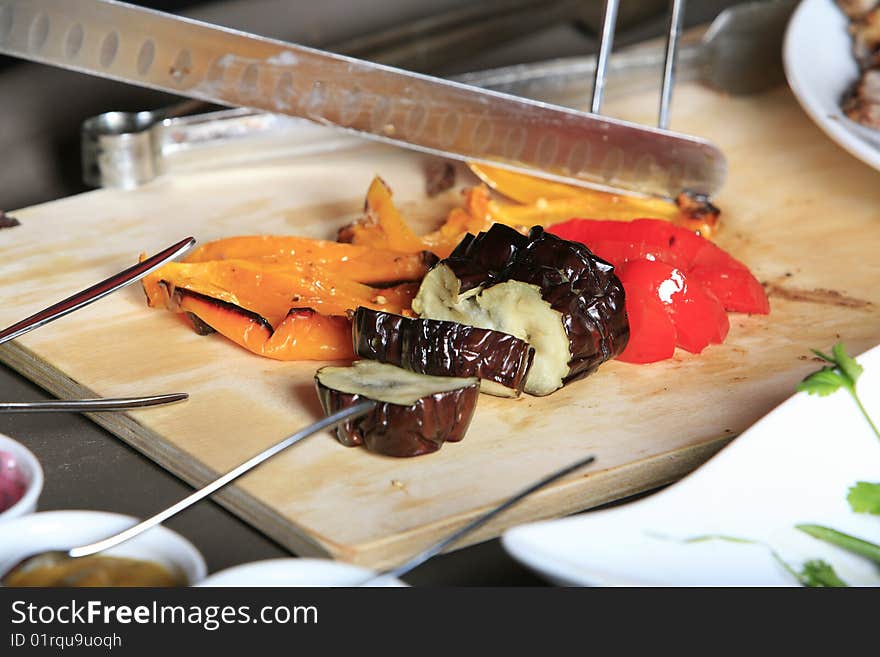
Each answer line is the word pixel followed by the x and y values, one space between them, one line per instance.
pixel 847 364
pixel 843 372
pixel 819 573
pixel 864 497
pixel 823 382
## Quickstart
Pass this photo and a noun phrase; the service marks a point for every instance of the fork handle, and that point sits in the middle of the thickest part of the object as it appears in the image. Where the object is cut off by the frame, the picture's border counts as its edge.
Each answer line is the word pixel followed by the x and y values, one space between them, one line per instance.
pixel 91 405
pixel 96 291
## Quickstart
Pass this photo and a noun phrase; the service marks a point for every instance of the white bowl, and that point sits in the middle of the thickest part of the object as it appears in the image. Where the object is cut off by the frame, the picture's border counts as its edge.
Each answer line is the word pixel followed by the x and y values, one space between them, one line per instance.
pixel 296 572
pixel 30 467
pixel 54 530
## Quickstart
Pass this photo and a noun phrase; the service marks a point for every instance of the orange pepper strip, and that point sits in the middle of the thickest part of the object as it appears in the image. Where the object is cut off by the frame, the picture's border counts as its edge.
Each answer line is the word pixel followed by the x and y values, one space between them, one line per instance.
pixel 384 227
pixel 545 213
pixel 473 218
pixel 272 293
pixel 302 335
pixel 546 202
pixel 358 263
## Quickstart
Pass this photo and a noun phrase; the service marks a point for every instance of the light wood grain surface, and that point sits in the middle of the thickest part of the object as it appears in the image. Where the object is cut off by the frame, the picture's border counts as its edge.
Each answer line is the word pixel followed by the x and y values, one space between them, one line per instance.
pixel 803 214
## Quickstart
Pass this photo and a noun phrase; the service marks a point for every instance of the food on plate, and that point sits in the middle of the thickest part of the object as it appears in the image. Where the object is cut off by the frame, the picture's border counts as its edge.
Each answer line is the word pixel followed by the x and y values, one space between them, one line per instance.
pixel 303 334
pixel 284 311
pixel 678 284
pixel 12 481
pixel 544 202
pixel 384 227
pixel 356 263
pixel 857 8
pixel 865 31
pixel 441 348
pixel 551 292
pixel 414 413
pixel 861 102
pixel 95 570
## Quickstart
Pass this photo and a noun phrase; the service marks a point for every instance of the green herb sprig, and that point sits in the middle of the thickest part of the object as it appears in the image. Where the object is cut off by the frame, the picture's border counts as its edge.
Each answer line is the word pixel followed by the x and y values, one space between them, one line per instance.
pixel 843 372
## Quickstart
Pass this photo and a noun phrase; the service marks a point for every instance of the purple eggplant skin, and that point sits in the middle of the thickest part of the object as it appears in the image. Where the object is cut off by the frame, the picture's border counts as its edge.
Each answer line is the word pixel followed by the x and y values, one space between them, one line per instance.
pixel 441 348
pixel 578 284
pixel 404 431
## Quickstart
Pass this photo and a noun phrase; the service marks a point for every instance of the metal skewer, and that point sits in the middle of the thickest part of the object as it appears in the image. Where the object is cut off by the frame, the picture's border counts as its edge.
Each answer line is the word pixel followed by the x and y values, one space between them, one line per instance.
pixel 676 18
pixel 438 547
pixel 605 45
pixel 53 556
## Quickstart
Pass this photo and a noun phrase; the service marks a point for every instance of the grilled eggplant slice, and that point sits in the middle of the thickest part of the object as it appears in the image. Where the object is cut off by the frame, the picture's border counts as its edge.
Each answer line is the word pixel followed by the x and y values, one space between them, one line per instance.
pixel 415 414
pixel 553 293
pixel 439 348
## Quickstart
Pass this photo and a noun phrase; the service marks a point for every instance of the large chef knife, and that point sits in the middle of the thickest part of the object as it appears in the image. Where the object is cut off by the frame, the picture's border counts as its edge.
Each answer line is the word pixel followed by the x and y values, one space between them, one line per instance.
pixel 152 49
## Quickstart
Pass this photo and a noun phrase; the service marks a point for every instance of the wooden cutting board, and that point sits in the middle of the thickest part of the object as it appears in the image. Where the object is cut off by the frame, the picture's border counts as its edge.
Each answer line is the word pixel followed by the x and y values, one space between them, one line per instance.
pixel 803 214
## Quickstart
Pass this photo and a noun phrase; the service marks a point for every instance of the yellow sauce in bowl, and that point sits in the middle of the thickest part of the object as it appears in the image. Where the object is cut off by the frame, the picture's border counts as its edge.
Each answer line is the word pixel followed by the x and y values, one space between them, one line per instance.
pixel 96 570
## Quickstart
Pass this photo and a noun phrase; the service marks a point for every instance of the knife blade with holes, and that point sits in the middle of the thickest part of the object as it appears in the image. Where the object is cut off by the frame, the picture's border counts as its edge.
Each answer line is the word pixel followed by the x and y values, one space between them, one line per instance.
pixel 185 57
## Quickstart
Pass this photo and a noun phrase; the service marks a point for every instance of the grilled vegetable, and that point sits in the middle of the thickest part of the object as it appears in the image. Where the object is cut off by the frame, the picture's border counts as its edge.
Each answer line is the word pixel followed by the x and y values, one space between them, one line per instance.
pixel 415 414
pixel 545 202
pixel 439 348
pixel 303 334
pixel 383 226
pixel 552 293
pixel 358 263
pixel 704 262
pixel 678 284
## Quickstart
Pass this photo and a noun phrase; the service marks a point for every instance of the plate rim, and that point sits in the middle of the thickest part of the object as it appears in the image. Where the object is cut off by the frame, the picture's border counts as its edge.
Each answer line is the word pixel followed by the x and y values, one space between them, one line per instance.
pixel 834 127
pixel 553 566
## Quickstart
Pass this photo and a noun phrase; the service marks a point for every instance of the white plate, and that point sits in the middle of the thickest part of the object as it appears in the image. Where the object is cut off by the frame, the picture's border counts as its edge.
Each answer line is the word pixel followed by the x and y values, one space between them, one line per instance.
pixel 820 67
pixel 794 466
pixel 295 572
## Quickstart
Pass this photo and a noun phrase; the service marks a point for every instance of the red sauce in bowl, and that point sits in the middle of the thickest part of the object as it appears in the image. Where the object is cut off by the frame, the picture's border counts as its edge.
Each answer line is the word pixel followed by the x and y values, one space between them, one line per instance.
pixel 12 481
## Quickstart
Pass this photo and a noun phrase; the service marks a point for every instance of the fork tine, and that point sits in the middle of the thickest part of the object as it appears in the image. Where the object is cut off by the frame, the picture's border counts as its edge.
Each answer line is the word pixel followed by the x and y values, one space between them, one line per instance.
pixel 676 17
pixel 605 44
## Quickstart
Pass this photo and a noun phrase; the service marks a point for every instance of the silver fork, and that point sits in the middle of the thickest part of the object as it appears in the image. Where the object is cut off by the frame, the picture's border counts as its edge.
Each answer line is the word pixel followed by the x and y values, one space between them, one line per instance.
pixel 80 300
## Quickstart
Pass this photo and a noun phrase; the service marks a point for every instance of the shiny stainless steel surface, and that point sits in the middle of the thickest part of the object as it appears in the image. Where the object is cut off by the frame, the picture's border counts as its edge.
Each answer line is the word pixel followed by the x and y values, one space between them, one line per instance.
pixel 201 61
pixel 128 149
pixel 91 405
pixel 606 44
pixel 739 54
pixel 96 291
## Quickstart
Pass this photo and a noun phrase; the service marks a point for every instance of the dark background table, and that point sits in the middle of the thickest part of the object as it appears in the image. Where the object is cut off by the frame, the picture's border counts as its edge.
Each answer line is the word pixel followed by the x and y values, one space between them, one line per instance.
pixel 88 468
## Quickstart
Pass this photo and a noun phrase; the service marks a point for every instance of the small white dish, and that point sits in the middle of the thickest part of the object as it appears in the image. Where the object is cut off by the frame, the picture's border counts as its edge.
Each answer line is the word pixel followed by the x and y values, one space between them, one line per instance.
pixel 820 67
pixel 29 468
pixel 53 530
pixel 296 572
pixel 793 466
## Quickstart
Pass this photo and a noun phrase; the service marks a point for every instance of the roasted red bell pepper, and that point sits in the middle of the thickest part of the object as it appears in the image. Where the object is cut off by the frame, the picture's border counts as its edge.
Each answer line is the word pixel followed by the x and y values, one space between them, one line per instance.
pixel 678 284
pixel 717 271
